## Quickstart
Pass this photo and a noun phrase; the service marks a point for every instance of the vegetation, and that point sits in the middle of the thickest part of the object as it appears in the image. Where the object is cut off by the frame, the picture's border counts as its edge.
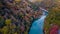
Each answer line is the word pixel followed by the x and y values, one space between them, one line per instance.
pixel 16 16
pixel 53 17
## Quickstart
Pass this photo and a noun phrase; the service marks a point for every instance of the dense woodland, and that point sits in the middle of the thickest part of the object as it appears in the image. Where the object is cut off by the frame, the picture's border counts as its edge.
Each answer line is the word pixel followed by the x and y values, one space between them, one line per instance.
pixel 16 16
pixel 53 17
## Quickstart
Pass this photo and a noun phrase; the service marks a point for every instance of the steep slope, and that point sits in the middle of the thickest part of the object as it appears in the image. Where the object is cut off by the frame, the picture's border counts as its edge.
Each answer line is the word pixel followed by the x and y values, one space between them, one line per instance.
pixel 54 17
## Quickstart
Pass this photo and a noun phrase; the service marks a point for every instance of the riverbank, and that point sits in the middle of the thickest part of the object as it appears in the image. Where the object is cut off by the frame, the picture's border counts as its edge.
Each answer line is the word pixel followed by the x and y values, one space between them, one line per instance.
pixel 53 17
pixel 38 25
pixel 16 16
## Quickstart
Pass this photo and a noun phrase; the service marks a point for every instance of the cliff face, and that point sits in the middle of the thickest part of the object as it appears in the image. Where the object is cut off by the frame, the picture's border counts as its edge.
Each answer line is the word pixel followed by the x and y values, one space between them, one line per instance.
pixel 16 16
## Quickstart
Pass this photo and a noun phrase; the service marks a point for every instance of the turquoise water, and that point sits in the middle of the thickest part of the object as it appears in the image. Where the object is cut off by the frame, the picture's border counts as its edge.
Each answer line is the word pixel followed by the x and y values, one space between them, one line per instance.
pixel 37 26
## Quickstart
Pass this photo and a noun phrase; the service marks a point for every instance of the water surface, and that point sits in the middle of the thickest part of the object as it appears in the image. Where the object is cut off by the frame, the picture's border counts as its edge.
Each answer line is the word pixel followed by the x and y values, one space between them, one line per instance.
pixel 37 25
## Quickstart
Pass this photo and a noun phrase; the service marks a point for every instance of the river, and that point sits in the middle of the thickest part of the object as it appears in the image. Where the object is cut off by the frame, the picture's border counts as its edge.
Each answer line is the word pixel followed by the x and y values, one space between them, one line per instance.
pixel 38 25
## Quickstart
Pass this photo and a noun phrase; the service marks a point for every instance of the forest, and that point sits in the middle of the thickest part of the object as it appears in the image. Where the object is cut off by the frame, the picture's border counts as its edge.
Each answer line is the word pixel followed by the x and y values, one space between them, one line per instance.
pixel 16 16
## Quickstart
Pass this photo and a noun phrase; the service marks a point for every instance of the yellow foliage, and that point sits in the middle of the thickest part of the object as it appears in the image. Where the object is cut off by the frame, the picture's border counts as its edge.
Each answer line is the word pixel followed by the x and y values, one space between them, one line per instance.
pixel 12 26
pixel 25 32
pixel 15 32
pixel 8 21
pixel 17 0
pixel 5 30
